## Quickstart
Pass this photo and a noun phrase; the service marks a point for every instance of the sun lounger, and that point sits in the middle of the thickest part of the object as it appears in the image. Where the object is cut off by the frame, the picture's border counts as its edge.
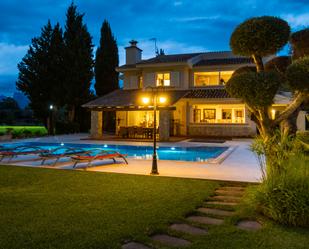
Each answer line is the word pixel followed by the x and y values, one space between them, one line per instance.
pixel 101 155
pixel 60 152
pixel 20 151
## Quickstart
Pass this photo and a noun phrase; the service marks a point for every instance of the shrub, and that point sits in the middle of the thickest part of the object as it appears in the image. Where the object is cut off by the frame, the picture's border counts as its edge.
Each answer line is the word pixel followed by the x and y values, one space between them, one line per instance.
pixel 284 197
pixel 27 133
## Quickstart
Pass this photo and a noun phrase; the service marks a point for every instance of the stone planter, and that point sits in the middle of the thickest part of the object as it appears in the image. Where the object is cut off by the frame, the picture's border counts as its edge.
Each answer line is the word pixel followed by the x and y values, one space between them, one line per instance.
pixel 6 137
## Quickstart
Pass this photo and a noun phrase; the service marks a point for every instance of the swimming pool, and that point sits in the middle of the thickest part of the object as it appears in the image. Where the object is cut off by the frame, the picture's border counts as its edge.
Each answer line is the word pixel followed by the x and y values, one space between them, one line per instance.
pixel 192 154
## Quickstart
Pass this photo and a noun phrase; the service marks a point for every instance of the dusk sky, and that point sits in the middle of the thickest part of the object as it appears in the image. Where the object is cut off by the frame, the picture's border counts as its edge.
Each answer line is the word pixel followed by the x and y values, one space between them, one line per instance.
pixel 180 26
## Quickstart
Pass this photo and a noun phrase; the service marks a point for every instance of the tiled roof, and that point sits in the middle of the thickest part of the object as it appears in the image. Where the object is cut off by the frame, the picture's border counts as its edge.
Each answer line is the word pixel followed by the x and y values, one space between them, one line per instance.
pixel 169 58
pixel 200 59
pixel 131 98
pixel 208 93
pixel 224 61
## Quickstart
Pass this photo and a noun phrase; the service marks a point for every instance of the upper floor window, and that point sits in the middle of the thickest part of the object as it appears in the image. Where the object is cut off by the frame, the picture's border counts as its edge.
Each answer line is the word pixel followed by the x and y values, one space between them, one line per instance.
pixel 211 78
pixel 163 79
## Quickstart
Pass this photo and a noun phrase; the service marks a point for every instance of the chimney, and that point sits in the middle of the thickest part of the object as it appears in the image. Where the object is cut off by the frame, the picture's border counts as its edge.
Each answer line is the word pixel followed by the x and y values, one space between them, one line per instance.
pixel 133 53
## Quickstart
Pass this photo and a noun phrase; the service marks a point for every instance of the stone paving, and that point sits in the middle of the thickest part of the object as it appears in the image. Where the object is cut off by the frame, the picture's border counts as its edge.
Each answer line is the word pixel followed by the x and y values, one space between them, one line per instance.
pixel 186 228
pixel 212 213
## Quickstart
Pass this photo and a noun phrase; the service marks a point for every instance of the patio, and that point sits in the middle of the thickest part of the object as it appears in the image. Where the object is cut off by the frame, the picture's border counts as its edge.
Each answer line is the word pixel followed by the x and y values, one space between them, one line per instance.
pixel 240 165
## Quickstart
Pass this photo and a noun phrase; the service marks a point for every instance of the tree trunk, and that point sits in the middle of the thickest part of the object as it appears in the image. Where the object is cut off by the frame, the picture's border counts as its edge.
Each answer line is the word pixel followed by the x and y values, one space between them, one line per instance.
pixel 258 62
pixel 71 113
pixel 298 100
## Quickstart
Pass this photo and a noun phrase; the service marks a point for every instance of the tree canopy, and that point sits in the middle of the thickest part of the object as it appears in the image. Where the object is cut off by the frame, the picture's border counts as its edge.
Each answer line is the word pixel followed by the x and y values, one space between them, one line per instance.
pixel 300 43
pixel 77 61
pixel 259 37
pixel 35 79
pixel 106 61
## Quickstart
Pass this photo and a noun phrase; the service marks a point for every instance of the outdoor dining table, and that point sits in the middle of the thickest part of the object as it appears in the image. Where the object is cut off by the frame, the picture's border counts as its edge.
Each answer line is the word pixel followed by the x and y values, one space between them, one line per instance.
pixel 136 132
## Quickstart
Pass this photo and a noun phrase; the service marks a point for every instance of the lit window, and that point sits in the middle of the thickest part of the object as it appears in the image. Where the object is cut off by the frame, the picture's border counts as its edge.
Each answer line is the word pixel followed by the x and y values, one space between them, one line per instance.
pixel 225 76
pixel 211 78
pixel 209 115
pixel 163 79
pixel 227 115
pixel 239 116
pixel 206 78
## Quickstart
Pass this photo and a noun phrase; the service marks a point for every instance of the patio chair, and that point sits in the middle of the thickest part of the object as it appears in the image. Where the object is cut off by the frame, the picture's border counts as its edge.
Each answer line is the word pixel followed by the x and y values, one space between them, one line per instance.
pixel 20 151
pixel 123 132
pixel 131 131
pixel 58 153
pixel 91 156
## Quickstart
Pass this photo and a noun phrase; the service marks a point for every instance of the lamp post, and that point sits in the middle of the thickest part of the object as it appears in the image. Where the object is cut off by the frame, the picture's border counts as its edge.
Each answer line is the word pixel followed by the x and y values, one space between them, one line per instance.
pixel 155 100
pixel 51 120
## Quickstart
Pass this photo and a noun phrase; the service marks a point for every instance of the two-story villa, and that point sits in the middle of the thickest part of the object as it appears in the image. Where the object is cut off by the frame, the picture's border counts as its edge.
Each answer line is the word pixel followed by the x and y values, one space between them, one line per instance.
pixel 193 85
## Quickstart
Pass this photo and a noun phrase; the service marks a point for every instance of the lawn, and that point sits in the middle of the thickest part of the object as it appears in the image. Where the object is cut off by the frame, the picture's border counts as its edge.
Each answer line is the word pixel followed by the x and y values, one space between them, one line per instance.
pixel 19 129
pixel 46 208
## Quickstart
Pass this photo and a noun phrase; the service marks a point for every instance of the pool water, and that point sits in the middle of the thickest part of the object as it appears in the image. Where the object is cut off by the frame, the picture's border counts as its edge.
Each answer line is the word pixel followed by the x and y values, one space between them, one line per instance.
pixel 192 154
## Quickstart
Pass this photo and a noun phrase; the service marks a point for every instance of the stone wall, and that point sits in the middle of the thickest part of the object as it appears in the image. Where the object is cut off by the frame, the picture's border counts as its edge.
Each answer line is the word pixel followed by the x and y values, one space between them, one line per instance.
pixel 96 130
pixel 164 125
pixel 221 130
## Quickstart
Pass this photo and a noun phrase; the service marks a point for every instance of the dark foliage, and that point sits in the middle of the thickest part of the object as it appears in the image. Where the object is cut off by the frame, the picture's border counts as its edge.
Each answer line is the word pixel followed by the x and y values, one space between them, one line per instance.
pixel 77 62
pixel 256 89
pixel 106 61
pixel 246 69
pixel 300 43
pixel 278 64
pixel 9 111
pixel 261 36
pixel 40 70
pixel 298 75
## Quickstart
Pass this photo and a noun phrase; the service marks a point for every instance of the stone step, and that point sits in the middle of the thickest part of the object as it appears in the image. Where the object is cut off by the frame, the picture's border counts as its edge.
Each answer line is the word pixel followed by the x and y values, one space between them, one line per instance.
pixel 134 245
pixel 215 211
pixel 170 240
pixel 229 193
pixel 221 203
pixel 205 220
pixel 226 198
pixel 231 188
pixel 185 228
pixel 249 225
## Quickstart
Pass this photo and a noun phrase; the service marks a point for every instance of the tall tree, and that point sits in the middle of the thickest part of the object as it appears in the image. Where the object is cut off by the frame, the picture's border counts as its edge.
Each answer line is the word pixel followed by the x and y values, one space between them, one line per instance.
pixel 106 61
pixel 78 62
pixel 35 79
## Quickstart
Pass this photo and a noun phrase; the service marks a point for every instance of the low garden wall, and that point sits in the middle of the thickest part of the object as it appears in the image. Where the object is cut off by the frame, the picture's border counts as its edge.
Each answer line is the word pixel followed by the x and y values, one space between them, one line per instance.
pixel 221 130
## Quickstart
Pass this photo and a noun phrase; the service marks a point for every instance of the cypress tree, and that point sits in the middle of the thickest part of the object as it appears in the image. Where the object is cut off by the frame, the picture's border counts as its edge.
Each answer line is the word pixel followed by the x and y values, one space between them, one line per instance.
pixel 35 77
pixel 78 63
pixel 106 61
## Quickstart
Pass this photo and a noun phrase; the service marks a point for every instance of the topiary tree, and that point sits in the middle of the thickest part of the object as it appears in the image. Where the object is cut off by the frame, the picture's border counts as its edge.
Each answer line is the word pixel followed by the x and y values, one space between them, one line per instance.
pixel 300 43
pixel 259 37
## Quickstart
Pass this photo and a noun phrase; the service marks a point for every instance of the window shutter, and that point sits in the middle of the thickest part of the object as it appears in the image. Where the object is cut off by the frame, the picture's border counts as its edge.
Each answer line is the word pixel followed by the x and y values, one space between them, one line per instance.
pixel 175 79
pixel 150 79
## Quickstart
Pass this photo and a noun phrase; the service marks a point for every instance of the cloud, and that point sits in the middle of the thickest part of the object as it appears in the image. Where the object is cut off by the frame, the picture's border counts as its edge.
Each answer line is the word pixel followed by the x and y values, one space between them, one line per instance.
pixel 10 56
pixel 195 18
pixel 297 20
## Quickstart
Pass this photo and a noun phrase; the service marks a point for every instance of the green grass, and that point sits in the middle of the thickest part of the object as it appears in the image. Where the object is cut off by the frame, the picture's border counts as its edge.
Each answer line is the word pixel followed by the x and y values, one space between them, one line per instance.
pixel 46 208
pixel 19 129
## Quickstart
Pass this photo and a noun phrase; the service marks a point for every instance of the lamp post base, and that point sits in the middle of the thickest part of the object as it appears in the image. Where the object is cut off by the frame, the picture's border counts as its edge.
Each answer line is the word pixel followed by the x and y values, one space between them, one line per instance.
pixel 154 169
